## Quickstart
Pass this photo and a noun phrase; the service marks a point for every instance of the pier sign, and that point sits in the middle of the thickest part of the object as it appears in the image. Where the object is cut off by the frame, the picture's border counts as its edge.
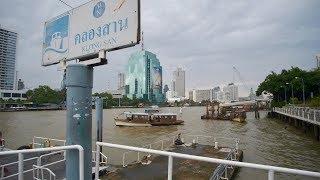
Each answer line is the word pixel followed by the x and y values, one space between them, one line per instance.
pixel 84 31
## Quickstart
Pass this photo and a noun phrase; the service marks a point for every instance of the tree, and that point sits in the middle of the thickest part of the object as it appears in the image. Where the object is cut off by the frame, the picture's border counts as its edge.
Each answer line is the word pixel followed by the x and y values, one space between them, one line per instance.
pixel 44 94
pixel 277 84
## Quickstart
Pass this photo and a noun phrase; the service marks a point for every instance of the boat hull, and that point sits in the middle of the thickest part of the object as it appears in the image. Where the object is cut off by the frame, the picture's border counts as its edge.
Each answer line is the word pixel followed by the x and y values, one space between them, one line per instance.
pixel 148 124
pixel 130 124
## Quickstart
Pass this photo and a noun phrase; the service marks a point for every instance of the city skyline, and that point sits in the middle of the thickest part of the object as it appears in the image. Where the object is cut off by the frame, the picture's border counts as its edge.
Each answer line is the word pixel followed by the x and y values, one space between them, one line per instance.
pixel 255 38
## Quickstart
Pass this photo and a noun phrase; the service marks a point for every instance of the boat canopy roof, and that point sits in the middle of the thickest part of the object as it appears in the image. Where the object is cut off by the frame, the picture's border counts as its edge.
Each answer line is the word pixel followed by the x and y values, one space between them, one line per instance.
pixel 146 114
pixel 164 114
pixel 136 113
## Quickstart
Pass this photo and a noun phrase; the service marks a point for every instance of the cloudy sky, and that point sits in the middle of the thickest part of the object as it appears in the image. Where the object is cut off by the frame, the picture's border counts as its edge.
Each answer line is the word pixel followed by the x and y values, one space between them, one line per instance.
pixel 205 37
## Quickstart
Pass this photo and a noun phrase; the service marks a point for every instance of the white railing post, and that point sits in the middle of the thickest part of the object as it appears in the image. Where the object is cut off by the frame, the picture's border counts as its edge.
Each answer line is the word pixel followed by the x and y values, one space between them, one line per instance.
pixel 20 166
pixel 314 115
pixel 270 175
pixel 162 145
pixel 123 159
pixel 96 175
pixel 138 160
pixel 170 162
pixel 2 172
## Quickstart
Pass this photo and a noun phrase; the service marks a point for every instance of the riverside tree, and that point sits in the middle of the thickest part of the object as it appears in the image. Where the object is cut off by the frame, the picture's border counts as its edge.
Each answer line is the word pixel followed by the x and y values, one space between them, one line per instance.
pixel 278 84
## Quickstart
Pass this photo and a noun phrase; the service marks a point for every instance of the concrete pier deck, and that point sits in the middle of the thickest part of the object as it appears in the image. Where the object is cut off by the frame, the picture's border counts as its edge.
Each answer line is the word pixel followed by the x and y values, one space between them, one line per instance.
pixel 182 168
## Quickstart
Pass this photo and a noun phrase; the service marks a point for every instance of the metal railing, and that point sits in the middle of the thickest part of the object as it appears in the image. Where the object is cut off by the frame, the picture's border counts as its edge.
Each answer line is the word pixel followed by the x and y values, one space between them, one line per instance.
pixel 21 160
pixel 163 145
pixel 42 142
pixel 305 114
pixel 271 169
pixel 103 158
pixel 221 172
pixel 2 168
pixel 40 173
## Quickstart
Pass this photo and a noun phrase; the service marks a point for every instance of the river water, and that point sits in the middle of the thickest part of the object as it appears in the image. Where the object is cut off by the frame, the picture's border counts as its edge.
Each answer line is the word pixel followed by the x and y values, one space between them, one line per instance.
pixel 264 141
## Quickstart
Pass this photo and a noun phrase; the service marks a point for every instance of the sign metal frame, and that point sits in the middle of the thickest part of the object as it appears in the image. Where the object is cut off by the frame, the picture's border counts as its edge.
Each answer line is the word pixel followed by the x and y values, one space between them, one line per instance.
pixel 93 55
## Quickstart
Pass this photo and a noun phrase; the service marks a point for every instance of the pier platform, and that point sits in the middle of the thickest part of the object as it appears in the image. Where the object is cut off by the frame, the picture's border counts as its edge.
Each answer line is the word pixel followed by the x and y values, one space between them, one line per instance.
pixel 182 168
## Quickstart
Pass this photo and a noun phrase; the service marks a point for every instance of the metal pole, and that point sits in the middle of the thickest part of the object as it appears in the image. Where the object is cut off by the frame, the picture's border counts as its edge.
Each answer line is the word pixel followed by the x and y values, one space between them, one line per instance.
pixel 285 94
pixel 99 117
pixel 270 175
pixel 20 167
pixel 96 176
pixel 170 162
pixel 304 98
pixel 79 119
pixel 292 95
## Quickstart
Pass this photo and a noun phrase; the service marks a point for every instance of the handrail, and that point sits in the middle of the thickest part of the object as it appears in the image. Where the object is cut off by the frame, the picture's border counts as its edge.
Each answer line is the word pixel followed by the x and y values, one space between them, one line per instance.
pixel 104 158
pixel 26 151
pixel 271 169
pixel 41 169
pixel 304 114
pixel 172 139
pixel 222 169
pixel 12 163
pixel 50 140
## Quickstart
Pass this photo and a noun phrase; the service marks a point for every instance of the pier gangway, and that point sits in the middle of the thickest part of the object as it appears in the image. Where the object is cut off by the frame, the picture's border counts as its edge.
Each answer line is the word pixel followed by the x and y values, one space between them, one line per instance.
pixel 270 169
pixel 301 113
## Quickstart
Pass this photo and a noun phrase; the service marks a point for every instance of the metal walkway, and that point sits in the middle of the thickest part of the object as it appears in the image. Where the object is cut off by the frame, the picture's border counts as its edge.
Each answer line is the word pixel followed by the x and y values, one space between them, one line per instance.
pixel 304 114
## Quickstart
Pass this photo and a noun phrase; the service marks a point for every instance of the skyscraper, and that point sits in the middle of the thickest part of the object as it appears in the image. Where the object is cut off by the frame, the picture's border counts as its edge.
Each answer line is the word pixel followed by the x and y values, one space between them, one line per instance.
pixel 8 46
pixel 121 81
pixel 144 77
pixel 231 92
pixel 179 82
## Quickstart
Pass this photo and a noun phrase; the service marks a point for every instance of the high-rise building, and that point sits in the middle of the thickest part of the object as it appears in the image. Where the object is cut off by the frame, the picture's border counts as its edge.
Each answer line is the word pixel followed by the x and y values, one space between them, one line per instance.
pixel 201 95
pixel 144 77
pixel 121 81
pixel 231 92
pixel 8 46
pixel 178 83
pixel 20 85
pixel 191 95
pixel 215 91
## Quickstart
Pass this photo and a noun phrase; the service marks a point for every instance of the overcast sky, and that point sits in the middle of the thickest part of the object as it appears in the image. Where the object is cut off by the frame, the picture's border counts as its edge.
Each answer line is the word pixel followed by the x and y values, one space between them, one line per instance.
pixel 205 37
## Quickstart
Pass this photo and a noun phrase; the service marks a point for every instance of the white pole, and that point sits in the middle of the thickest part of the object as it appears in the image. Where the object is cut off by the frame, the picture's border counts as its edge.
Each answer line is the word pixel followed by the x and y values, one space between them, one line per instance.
pixel 170 162
pixel 270 175
pixel 20 166
pixel 96 175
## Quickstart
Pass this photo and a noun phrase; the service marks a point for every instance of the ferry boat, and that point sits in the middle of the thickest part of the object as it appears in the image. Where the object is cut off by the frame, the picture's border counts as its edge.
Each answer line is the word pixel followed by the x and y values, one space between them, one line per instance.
pixel 147 119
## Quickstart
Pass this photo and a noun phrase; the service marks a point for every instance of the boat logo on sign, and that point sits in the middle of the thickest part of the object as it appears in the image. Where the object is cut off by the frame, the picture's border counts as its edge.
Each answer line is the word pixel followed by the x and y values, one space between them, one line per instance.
pixel 56 36
pixel 99 9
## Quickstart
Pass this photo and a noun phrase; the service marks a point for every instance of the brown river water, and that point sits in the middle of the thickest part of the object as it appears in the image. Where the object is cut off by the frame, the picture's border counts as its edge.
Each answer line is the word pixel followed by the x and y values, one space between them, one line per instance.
pixel 264 141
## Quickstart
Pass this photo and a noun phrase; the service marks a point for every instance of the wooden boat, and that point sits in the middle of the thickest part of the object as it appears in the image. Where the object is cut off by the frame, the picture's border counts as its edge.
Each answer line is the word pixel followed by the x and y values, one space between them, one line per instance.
pixel 147 119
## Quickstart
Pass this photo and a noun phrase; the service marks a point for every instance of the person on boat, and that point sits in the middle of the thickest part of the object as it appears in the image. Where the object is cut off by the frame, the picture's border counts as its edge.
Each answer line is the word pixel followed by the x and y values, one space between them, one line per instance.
pixel 178 141
pixel 2 142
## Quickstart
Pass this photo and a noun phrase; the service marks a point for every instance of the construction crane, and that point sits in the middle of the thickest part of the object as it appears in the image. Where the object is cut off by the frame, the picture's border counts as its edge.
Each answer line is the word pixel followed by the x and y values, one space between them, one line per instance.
pixel 241 79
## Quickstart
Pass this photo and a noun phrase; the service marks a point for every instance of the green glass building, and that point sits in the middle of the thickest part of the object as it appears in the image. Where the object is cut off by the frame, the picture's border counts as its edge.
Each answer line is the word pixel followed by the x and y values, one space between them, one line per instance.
pixel 144 77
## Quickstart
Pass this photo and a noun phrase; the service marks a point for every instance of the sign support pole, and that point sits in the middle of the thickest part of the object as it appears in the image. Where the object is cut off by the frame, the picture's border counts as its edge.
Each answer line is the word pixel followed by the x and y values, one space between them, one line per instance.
pixel 99 118
pixel 79 81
